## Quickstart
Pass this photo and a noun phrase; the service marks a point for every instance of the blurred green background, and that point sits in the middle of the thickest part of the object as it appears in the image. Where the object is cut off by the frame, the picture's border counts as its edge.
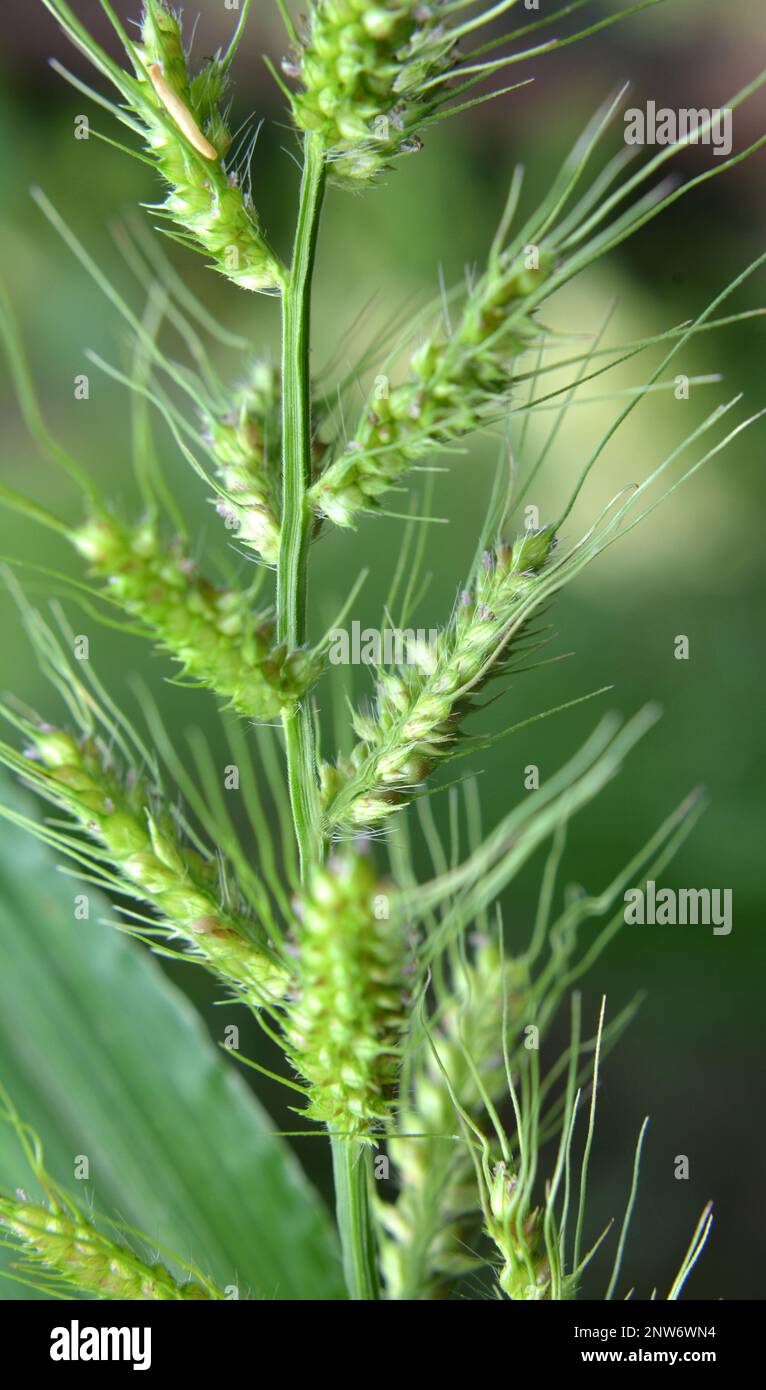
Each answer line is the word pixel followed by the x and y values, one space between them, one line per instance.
pixel 694 1057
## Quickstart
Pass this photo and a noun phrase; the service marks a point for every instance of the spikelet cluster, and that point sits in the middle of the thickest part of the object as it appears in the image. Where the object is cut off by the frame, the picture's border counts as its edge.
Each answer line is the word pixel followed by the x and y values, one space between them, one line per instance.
pixel 426 1238
pixel 456 383
pixel 205 198
pixel 63 1243
pixel 213 632
pixel 419 707
pixel 362 66
pixel 144 847
pixel 245 443
pixel 186 133
pixel 345 1027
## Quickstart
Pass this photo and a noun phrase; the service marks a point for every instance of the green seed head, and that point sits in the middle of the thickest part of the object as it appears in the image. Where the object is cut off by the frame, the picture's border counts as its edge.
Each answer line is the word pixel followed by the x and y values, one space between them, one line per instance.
pixel 345 1028
pixel 457 383
pixel 429 1227
pixel 213 632
pixel 67 1245
pixel 419 709
pixel 363 68
pixel 183 123
pixel 147 852
pixel 188 135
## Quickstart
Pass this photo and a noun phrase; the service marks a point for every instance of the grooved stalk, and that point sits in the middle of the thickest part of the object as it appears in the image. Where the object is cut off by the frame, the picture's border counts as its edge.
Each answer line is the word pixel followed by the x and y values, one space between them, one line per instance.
pixel 350 1163
pixel 296 476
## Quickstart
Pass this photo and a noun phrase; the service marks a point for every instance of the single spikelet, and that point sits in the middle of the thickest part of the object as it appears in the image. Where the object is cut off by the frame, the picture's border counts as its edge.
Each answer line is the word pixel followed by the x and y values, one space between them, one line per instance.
pixel 524 1274
pixel 345 1027
pixel 457 383
pixel 420 707
pixel 144 847
pixel 426 1236
pixel 213 632
pixel 182 122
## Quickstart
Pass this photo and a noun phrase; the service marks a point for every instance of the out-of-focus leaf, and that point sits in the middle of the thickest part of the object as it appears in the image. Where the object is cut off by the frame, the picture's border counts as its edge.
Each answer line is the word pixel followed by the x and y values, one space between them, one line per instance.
pixel 107 1059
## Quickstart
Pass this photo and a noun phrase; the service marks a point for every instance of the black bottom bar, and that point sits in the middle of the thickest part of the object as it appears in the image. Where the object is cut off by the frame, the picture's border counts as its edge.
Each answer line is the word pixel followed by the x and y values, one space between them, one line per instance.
pixel 87 1339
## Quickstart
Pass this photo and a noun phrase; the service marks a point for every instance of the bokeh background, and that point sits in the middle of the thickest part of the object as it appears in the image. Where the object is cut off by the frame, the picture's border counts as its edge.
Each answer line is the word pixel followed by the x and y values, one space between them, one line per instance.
pixel 693 1059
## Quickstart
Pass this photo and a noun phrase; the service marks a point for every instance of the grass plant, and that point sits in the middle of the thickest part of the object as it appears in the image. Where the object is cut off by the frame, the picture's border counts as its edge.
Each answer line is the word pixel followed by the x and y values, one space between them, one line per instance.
pixel 402 1006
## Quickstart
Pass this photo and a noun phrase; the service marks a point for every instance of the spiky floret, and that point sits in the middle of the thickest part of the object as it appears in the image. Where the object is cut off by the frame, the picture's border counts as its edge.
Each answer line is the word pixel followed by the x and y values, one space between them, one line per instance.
pixel 146 850
pixel 457 382
pixel 426 1237
pixel 478 1052
pixel 375 73
pixel 185 129
pixel 64 1252
pixel 346 1025
pixel 420 706
pixel 213 632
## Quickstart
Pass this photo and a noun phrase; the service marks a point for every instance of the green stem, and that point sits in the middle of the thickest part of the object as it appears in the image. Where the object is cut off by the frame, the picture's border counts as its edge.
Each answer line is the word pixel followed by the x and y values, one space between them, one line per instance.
pixel 350 1160
pixel 351 1173
pixel 296 517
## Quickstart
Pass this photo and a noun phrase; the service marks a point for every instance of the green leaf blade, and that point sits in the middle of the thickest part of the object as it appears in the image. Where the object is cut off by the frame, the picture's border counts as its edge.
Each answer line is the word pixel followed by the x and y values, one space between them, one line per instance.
pixel 107 1059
